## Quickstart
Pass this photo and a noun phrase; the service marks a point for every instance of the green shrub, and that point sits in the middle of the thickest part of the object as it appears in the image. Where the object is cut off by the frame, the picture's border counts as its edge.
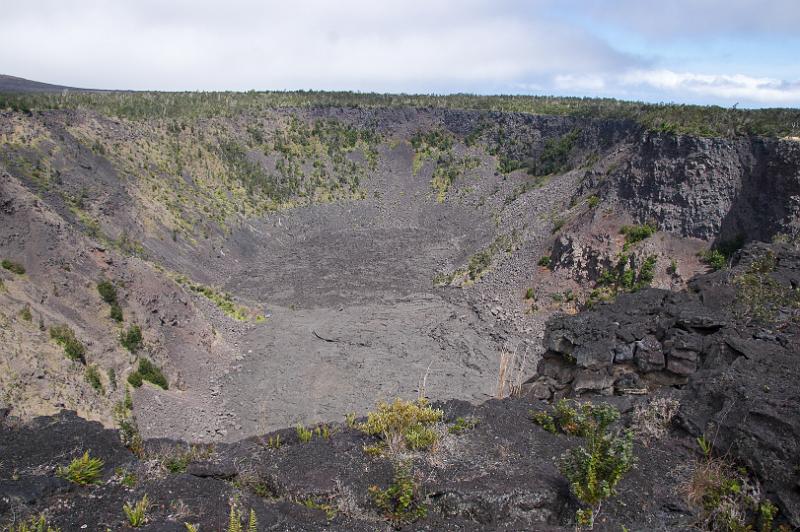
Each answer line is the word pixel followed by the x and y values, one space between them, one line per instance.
pixel 135 379
pixel 33 524
pixel 136 513
pixel 179 458
pixel 25 313
pixel 709 121
pixel 462 424
pixel 126 478
pixel 576 418
pixel 478 263
pixel 13 267
pixel 116 312
pixel 223 300
pixel 725 498
pixel 636 233
pixel 432 140
pixel 554 158
pixel 593 201
pixel 482 260
pixel 148 372
pixel 402 500
pixel 329 509
pixel 625 276
pixel 84 470
pixel 107 291
pixel 131 339
pixel 65 337
pixel 646 273
pixel 93 378
pixel 420 437
pixel 530 294
pixel 403 424
pixel 506 165
pixel 544 420
pixel 593 470
pixel 718 258
pixel 323 431
pixel 672 269
pixel 760 297
pixel 128 431
pixel 714 259
pixel 544 261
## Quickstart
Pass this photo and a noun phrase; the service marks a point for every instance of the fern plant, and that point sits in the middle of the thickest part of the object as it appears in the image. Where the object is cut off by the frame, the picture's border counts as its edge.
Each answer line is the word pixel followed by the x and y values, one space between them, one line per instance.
pixel 33 524
pixel 136 513
pixel 84 470
pixel 252 524
pixel 235 521
pixel 705 445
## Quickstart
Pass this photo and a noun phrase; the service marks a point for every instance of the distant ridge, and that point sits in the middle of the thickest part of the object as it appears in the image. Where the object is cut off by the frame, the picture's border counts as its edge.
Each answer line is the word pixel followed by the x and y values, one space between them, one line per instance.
pixel 15 84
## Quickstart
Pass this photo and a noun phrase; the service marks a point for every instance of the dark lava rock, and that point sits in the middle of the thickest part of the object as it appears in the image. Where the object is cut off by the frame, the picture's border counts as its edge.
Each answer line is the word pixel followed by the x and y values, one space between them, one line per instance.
pixel 499 475
pixel 737 374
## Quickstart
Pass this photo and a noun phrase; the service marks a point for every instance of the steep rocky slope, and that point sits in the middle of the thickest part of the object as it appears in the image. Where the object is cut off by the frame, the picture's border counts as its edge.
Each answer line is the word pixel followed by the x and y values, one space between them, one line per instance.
pixel 346 226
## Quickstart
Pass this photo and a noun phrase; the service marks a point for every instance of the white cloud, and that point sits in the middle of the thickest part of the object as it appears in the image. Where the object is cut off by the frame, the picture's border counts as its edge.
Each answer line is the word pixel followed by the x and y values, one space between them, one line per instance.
pixel 586 82
pixel 727 87
pixel 412 45
pixel 668 85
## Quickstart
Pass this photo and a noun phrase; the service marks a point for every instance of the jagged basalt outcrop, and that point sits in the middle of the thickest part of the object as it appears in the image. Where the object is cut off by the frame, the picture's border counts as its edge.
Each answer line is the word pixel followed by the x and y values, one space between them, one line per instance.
pixel 736 374
pixel 652 337
pixel 709 188
pixel 656 337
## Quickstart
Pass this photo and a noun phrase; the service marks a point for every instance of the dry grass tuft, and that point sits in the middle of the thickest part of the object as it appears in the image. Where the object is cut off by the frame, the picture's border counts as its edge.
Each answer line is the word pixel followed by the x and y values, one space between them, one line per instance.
pixel 511 373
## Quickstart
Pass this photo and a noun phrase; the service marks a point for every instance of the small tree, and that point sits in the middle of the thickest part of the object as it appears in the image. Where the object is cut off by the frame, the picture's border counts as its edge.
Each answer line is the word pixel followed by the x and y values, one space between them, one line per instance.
pixel 132 338
pixel 593 470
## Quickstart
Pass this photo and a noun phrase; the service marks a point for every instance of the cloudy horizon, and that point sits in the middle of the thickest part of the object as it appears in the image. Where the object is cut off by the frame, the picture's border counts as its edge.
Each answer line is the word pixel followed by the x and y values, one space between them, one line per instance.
pixel 702 51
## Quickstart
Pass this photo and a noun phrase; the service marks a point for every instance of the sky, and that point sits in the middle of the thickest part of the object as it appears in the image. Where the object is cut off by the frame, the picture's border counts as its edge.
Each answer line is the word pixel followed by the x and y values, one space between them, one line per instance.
pixel 724 52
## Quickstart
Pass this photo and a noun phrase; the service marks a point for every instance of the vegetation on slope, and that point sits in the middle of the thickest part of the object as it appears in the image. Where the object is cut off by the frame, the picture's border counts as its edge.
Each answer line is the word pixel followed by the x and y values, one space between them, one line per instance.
pixel 191 177
pixel 675 118
pixel 437 146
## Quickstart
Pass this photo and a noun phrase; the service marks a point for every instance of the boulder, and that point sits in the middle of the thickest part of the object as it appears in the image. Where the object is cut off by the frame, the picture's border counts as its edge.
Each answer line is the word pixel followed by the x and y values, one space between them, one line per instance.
pixel 623 353
pixel 596 381
pixel 649 354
